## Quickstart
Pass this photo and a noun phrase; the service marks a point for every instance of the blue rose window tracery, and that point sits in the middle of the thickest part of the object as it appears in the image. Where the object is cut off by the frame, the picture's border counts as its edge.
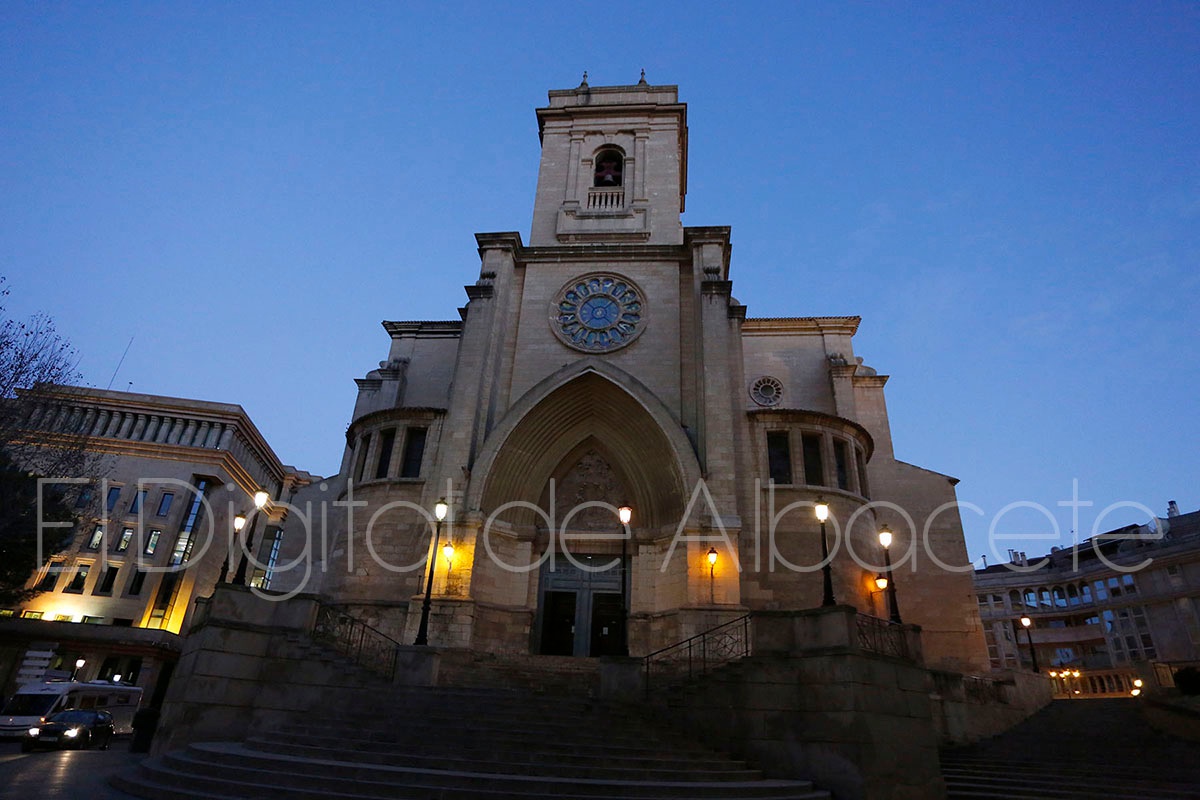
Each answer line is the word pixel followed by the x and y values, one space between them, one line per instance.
pixel 599 313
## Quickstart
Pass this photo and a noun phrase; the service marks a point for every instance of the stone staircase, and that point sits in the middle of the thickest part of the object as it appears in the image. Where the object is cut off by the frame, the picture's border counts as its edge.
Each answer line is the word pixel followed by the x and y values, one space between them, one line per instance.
pixel 504 728
pixel 1076 749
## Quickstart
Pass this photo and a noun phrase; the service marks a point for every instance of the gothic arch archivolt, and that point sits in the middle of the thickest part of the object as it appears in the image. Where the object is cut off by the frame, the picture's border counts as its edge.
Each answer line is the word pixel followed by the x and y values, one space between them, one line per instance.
pixel 588 402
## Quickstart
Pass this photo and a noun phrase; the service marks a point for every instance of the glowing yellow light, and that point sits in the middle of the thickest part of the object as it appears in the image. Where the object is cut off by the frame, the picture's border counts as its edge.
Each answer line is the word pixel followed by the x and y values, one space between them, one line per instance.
pixel 822 509
pixel 881 581
pixel 260 498
pixel 239 522
pixel 1054 674
pixel 448 551
pixel 712 556
pixel 439 509
pixel 1075 673
pixel 1026 621
pixel 1137 682
pixel 1136 692
pixel 624 513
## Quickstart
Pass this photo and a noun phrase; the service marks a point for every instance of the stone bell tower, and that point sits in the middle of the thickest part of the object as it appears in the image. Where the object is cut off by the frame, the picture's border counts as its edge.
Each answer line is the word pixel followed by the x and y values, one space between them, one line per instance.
pixel 614 166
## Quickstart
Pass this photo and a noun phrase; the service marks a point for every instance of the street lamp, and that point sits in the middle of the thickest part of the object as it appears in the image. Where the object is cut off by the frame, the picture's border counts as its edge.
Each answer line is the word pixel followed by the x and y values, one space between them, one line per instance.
pixel 439 512
pixel 822 509
pixel 260 501
pixel 885 539
pixel 239 522
pixel 78 666
pixel 624 514
pixel 712 566
pixel 1027 623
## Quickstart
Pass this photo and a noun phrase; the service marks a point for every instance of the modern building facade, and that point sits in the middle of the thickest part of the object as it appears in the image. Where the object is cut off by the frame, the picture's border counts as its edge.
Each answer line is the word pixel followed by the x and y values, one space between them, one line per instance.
pixel 1112 608
pixel 607 363
pixel 155 530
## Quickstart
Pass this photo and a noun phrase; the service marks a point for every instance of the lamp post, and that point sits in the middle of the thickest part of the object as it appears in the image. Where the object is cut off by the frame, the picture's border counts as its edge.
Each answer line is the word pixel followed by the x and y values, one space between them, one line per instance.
pixel 239 522
pixel 439 512
pixel 822 509
pixel 885 539
pixel 712 566
pixel 624 514
pixel 78 666
pixel 1027 623
pixel 260 502
pixel 881 584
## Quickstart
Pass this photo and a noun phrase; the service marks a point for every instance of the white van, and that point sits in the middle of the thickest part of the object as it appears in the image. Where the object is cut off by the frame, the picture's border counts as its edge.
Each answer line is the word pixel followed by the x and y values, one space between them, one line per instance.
pixel 33 702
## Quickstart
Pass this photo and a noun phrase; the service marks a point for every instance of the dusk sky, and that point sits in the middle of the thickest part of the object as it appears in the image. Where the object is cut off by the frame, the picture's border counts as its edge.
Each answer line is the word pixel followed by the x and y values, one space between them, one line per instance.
pixel 1008 195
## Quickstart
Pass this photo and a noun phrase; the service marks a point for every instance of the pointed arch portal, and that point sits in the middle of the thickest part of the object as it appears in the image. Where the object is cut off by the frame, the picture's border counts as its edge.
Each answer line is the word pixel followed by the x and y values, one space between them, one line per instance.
pixel 638 436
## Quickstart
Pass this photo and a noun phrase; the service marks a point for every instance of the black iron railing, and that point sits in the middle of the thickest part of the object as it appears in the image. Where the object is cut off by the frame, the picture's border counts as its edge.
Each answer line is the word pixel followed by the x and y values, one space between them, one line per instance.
pixel 699 654
pixel 880 636
pixel 357 640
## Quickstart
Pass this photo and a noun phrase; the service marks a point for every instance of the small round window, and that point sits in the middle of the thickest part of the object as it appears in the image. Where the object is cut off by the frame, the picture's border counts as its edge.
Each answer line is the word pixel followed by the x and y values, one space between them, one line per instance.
pixel 610 168
pixel 766 391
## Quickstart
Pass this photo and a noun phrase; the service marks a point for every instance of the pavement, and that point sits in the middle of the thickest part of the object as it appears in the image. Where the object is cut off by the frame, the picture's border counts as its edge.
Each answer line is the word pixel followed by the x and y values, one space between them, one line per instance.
pixel 63 774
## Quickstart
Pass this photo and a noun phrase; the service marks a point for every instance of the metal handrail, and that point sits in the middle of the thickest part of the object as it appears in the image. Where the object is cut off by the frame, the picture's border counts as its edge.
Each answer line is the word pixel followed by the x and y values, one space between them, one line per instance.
pixel 357 640
pixel 699 654
pixel 883 637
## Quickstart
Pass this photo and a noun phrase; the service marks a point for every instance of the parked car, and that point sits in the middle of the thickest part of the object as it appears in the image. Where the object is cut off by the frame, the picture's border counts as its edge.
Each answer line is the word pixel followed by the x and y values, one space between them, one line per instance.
pixel 75 728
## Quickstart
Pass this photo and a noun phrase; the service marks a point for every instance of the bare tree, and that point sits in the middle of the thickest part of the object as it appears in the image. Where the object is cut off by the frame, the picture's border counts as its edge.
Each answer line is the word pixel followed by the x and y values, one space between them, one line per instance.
pixel 37 440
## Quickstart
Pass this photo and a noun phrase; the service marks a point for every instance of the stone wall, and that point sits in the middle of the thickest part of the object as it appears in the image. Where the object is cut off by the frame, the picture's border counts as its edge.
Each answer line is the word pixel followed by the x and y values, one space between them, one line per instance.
pixel 814 702
pixel 968 708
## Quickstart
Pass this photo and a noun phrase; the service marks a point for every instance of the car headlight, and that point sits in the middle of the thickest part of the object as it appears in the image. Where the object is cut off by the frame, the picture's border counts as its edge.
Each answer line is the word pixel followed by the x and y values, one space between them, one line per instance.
pixel 71 732
pixel 35 731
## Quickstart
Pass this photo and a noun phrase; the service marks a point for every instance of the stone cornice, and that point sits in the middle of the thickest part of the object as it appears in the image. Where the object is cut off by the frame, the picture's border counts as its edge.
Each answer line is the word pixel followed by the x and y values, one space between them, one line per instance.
pixel 424 329
pixel 782 326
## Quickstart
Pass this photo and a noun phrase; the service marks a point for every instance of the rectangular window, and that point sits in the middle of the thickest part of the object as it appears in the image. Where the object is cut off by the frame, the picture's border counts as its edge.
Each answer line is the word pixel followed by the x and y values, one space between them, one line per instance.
pixel 97 538
pixel 164 504
pixel 114 494
pixel 76 584
pixel 122 622
pixel 138 499
pixel 31 615
pixel 135 583
pixel 842 459
pixel 63 618
pixel 1127 582
pixel 262 578
pixel 862 473
pixel 814 470
pixel 779 457
pixel 152 542
pixel 187 535
pixel 93 620
pixel 50 578
pixel 85 497
pixel 414 452
pixel 364 444
pixel 106 583
pixel 386 441
pixel 123 542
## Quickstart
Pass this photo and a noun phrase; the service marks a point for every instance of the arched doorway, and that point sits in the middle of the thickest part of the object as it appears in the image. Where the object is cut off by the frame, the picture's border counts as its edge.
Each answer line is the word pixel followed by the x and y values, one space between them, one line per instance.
pixel 579 447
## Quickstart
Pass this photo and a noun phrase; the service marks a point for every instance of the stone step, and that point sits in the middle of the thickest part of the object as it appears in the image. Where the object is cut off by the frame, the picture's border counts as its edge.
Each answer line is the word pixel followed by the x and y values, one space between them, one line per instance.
pixel 565 753
pixel 986 786
pixel 514 762
pixel 244 773
pixel 406 727
pixel 1071 769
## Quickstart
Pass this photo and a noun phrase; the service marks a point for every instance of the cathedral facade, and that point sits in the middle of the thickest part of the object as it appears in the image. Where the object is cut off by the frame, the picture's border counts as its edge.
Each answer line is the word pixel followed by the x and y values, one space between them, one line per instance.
pixel 605 363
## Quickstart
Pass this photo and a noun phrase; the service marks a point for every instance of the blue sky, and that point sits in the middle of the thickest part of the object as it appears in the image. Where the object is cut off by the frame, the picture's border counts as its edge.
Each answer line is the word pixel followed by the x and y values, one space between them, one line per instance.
pixel 1009 196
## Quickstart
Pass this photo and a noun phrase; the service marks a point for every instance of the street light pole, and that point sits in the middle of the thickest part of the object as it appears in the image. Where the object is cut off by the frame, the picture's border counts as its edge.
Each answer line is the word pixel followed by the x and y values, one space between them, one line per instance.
pixel 239 522
pixel 1027 623
pixel 822 509
pixel 885 539
pixel 439 512
pixel 712 566
pixel 260 502
pixel 624 514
